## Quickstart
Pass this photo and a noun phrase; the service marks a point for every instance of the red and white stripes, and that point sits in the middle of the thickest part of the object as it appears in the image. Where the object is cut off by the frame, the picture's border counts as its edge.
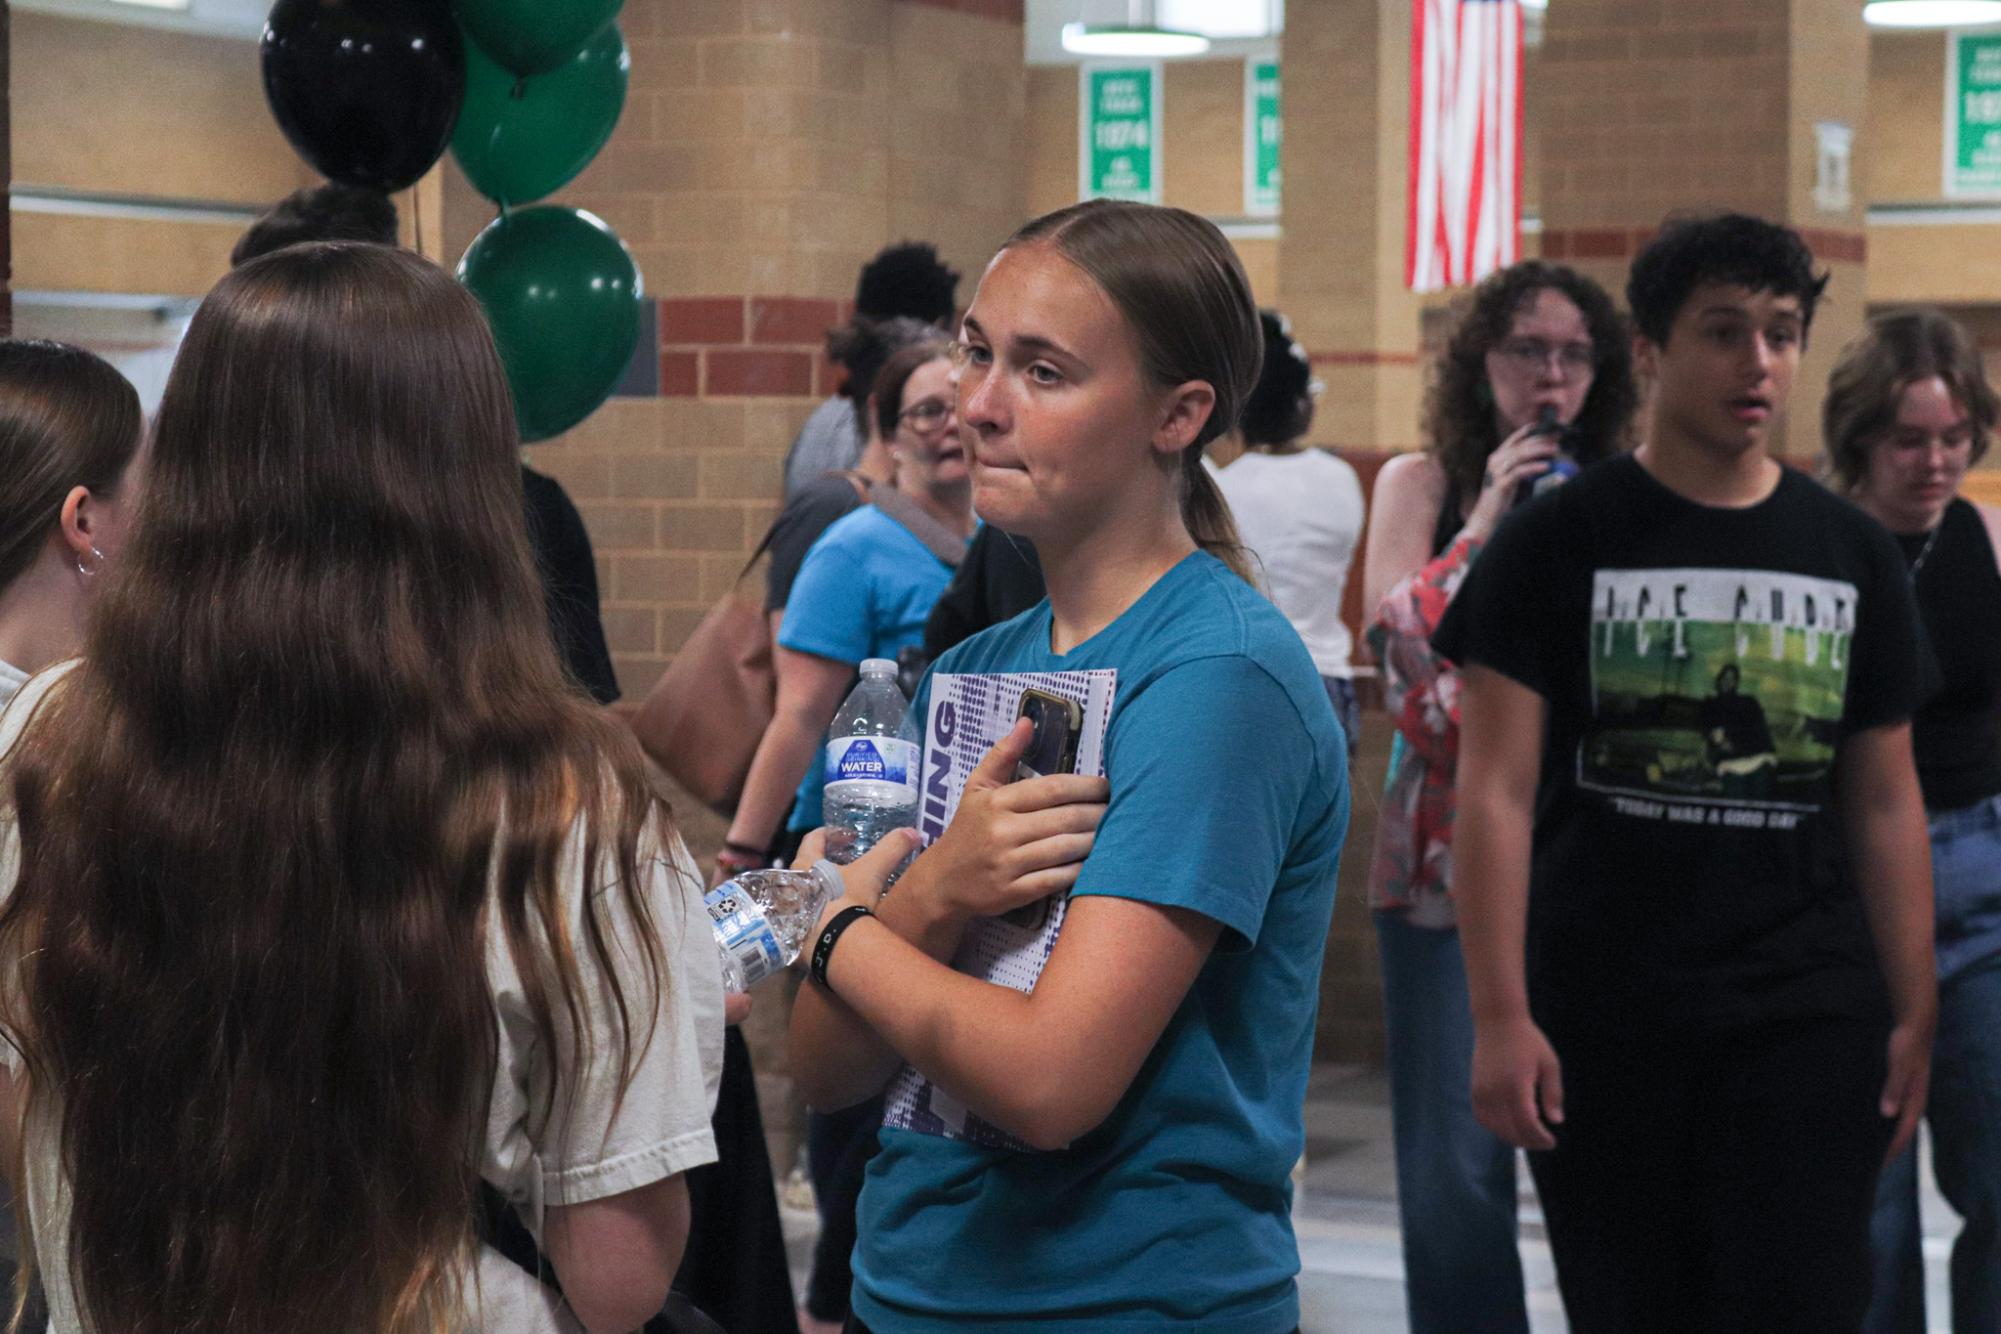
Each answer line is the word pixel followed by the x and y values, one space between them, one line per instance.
pixel 1464 219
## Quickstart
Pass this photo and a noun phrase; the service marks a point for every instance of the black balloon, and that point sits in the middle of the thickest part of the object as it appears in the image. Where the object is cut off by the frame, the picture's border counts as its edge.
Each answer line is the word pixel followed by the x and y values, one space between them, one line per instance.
pixel 367 90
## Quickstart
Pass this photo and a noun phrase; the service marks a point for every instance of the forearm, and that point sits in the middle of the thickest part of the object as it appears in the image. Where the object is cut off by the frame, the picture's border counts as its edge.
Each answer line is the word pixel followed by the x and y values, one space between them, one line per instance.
pixel 1890 857
pixel 790 744
pixel 983 1044
pixel 837 1057
pixel 1491 844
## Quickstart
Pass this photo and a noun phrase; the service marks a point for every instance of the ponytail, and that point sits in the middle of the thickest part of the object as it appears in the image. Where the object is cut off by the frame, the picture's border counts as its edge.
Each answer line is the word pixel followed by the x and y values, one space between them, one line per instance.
pixel 1207 516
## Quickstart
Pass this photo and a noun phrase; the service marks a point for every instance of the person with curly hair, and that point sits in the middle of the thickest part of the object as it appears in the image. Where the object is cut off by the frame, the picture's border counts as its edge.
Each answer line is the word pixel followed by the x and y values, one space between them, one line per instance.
pixel 1702 992
pixel 1533 339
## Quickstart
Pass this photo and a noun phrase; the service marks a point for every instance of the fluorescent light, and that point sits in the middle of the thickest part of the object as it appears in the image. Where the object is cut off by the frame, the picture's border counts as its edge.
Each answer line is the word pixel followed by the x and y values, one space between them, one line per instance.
pixel 1234 19
pixel 1931 13
pixel 1544 4
pixel 1147 43
pixel 154 4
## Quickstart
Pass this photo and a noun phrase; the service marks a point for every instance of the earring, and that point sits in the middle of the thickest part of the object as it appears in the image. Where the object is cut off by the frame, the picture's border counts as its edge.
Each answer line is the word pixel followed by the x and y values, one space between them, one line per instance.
pixel 87 571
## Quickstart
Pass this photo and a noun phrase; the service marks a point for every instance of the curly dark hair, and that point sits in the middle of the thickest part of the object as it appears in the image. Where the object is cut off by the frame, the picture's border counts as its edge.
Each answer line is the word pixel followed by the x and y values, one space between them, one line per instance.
pixel 1459 408
pixel 907 279
pixel 1893 352
pixel 861 347
pixel 1280 408
pixel 319 213
pixel 1726 248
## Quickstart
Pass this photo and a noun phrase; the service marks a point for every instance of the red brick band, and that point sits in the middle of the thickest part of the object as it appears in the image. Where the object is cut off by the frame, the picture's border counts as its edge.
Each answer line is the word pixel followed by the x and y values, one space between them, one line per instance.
pixel 747 346
pixel 1830 245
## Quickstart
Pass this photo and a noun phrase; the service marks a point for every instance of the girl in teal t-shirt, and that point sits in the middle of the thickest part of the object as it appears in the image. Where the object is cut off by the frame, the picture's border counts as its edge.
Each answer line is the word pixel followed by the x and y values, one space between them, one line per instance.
pixel 1139 1109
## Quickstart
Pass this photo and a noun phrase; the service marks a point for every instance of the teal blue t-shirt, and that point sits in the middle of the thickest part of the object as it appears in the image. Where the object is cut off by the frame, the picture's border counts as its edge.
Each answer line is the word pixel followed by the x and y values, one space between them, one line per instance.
pixel 1229 797
pixel 864 591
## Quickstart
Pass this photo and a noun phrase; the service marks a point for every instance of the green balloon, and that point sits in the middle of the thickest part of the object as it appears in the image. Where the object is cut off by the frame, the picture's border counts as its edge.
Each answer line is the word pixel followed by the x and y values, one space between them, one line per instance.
pixel 533 36
pixel 522 139
pixel 564 300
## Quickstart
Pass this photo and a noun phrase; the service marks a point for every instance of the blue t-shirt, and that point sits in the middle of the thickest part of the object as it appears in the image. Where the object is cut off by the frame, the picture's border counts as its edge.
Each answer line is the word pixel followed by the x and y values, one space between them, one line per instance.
pixel 1230 798
pixel 864 591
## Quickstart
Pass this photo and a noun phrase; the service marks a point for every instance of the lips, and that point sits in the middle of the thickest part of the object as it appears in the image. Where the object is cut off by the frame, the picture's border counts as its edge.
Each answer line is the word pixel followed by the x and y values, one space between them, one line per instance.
pixel 1751 409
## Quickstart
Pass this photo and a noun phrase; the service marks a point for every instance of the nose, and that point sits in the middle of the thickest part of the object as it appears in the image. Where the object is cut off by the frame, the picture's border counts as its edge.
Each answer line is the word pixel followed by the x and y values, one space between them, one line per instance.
pixel 980 402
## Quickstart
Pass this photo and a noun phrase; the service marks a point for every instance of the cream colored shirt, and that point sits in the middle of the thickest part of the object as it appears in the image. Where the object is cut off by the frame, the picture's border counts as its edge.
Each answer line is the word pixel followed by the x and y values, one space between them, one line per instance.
pixel 661 1128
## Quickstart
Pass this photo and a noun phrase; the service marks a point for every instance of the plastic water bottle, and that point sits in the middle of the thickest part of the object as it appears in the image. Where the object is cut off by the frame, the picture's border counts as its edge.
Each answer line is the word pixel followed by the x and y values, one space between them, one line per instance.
pixel 761 919
pixel 872 766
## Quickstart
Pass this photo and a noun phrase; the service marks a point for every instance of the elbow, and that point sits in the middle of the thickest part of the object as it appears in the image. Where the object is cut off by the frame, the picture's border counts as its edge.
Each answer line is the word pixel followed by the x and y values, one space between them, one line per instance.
pixel 617 1313
pixel 1055 1113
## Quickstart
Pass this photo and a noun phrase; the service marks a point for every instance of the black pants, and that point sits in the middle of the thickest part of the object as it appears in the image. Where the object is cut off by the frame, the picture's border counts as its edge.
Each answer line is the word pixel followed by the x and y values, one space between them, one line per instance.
pixel 855 1326
pixel 838 1147
pixel 1718 1185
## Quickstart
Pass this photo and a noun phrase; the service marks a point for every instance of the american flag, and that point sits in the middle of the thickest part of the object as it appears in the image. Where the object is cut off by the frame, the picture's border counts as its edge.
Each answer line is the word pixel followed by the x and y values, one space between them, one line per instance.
pixel 1465 216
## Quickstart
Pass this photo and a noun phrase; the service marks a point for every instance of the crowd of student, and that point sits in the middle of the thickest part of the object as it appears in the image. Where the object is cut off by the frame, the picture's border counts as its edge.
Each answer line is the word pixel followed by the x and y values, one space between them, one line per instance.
pixel 354 977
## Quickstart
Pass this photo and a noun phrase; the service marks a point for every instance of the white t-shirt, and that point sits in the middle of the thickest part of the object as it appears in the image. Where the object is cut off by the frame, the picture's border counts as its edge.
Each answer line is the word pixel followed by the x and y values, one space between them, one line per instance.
pixel 1301 516
pixel 12 678
pixel 661 1129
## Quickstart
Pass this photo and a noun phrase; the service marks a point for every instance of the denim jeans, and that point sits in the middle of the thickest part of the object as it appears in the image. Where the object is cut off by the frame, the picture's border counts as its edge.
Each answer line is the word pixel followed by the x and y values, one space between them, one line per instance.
pixel 1347 708
pixel 1455 1180
pixel 1965 1108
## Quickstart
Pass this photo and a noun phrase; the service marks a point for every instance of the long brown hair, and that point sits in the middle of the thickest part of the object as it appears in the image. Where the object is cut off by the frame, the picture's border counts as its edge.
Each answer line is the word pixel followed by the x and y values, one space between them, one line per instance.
pixel 1184 294
pixel 1459 406
pixel 319 733
pixel 1893 352
pixel 67 419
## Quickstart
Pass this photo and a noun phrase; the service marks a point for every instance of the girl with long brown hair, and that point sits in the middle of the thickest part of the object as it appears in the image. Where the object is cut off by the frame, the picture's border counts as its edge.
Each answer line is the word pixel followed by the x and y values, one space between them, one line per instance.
pixel 1108 1144
pixel 329 896
pixel 70 429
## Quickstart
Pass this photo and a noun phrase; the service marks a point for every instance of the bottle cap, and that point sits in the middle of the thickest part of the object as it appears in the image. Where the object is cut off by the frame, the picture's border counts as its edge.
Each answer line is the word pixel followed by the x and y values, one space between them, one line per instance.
pixel 879 667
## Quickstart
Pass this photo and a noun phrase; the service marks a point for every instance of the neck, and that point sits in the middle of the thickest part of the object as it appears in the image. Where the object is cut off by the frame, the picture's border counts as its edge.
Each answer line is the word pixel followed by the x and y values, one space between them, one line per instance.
pixel 1104 570
pixel 875 462
pixel 41 618
pixel 951 506
pixel 1903 522
pixel 1729 481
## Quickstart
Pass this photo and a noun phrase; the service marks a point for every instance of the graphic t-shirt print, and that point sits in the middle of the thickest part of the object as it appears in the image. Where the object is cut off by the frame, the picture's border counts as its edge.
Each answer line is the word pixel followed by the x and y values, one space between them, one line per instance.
pixel 1717 695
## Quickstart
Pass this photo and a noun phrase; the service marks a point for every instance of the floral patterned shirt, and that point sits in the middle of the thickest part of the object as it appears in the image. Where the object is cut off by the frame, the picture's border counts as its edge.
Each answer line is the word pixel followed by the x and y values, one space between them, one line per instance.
pixel 1411 871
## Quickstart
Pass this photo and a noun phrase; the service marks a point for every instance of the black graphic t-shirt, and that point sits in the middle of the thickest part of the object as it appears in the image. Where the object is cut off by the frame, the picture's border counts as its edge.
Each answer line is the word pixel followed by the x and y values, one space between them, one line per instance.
pixel 1702 667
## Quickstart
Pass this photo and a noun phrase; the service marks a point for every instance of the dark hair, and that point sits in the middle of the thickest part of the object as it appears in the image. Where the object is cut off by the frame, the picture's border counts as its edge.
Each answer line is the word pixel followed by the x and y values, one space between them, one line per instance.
pixel 1893 352
pixel 860 347
pixel 319 737
pixel 1459 422
pixel 1183 293
pixel 908 280
pixel 67 419
pixel 896 373
pixel 1280 408
pixel 320 213
pixel 1730 248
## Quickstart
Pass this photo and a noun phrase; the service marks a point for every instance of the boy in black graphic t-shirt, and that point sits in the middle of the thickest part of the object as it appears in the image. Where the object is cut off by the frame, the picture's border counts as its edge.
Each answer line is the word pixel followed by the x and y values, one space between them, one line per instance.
pixel 1691 859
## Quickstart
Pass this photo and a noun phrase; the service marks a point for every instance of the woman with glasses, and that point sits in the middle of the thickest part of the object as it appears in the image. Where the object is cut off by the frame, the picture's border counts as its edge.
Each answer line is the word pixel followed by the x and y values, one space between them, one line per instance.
pixel 863 591
pixel 1537 365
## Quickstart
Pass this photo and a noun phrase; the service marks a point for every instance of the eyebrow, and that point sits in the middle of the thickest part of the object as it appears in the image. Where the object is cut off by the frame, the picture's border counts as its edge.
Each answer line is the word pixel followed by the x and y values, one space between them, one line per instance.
pixel 1027 342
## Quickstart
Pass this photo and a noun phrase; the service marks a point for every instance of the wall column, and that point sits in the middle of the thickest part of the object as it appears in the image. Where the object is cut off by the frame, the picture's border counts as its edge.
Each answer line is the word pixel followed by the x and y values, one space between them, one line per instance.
pixel 1704 106
pixel 1340 262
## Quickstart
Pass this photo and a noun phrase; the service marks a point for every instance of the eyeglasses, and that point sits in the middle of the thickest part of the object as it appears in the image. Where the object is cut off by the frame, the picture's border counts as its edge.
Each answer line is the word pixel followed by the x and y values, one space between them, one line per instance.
pixel 1532 354
pixel 928 415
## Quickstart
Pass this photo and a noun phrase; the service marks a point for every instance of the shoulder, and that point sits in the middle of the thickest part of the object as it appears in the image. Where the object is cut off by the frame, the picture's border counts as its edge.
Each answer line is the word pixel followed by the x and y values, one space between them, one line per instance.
pixel 1409 486
pixel 1990 519
pixel 16 713
pixel 552 514
pixel 1210 612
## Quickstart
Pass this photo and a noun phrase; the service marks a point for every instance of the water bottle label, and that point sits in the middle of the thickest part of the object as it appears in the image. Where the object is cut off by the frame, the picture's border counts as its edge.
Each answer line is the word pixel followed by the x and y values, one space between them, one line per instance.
pixel 873 759
pixel 742 929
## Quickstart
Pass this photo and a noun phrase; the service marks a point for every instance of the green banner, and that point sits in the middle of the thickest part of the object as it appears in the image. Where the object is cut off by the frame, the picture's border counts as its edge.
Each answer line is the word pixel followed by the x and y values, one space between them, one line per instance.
pixel 1119 148
pixel 1973 114
pixel 1264 131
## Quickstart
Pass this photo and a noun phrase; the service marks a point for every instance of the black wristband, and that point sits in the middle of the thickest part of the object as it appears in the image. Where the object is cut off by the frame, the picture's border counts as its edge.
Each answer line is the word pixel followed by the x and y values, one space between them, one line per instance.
pixel 763 855
pixel 824 949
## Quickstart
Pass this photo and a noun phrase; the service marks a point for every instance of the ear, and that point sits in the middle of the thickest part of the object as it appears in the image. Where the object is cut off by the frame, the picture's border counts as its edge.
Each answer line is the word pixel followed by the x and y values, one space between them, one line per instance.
pixel 1185 410
pixel 1646 357
pixel 78 519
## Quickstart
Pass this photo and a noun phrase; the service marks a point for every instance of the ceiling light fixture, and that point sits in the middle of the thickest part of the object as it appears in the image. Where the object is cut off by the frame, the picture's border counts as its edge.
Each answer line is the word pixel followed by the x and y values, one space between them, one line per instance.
pixel 154 4
pixel 1137 38
pixel 1931 13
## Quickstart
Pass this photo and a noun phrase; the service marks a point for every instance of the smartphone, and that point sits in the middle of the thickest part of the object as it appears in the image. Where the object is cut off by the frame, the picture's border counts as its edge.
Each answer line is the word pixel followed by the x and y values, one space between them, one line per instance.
pixel 1057 721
